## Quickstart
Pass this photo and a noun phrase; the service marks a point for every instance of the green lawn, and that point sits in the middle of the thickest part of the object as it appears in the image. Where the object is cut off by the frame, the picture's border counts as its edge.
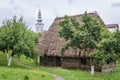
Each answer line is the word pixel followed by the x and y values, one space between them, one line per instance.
pixel 19 72
pixel 83 75
pixel 7 73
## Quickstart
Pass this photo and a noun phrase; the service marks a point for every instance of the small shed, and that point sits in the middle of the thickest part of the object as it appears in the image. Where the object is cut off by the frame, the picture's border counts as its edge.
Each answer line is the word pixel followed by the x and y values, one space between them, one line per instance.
pixel 50 45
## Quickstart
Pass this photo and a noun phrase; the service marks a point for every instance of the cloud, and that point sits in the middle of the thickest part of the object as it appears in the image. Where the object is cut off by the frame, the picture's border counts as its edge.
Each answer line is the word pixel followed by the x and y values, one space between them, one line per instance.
pixel 70 1
pixel 117 4
pixel 14 5
pixel 52 8
pixel 12 2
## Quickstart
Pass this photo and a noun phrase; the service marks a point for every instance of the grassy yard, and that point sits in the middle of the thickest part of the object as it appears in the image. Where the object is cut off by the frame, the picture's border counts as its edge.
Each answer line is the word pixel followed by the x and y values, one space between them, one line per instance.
pixel 7 73
pixel 84 75
pixel 19 72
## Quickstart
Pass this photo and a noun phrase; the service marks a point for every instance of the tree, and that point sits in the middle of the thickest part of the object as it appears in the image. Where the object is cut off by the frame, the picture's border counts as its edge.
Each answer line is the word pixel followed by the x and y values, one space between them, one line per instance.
pixel 104 53
pixel 116 37
pixel 108 48
pixel 17 38
pixel 83 37
pixel 90 35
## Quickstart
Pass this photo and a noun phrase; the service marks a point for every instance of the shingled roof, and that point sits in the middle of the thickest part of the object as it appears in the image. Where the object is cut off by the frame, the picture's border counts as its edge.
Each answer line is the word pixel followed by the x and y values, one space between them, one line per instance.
pixel 50 42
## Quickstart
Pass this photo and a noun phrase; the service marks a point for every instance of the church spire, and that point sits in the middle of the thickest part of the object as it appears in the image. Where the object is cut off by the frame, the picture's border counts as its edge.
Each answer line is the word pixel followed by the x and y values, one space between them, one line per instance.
pixel 39 16
pixel 39 25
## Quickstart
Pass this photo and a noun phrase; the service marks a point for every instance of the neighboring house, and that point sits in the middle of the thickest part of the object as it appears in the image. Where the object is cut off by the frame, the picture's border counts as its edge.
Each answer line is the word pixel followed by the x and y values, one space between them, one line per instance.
pixel 112 27
pixel 50 45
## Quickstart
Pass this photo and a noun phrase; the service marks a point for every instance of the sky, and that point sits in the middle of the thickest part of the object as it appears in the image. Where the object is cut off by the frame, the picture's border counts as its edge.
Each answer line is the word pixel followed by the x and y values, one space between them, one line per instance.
pixel 109 10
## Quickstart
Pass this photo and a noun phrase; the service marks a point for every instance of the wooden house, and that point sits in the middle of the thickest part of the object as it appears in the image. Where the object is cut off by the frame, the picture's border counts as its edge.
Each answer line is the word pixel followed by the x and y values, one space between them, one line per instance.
pixel 50 45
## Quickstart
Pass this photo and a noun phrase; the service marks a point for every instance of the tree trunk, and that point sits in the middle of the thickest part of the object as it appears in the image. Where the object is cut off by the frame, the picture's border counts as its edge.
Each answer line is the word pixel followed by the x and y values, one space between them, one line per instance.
pixel 92 70
pixel 79 60
pixel 7 56
pixel 9 61
pixel 92 67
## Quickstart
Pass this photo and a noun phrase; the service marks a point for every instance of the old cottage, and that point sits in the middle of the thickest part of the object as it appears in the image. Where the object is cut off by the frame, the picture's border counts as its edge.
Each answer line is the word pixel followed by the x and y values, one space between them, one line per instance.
pixel 50 44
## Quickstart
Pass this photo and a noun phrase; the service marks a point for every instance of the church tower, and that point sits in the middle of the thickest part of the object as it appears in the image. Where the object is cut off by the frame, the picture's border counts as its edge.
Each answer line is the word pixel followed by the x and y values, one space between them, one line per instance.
pixel 39 25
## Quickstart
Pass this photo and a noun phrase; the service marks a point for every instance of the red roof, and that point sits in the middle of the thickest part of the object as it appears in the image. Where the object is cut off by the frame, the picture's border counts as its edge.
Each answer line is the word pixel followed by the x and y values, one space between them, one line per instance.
pixel 112 26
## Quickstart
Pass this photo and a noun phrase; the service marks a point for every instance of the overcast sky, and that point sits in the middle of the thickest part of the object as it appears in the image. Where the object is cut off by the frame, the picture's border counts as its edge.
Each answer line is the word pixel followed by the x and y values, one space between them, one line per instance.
pixel 109 10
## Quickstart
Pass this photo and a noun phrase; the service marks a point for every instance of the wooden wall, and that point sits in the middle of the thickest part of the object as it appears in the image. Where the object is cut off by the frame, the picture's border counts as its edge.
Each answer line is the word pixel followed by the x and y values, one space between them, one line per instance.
pixel 107 68
pixel 75 63
pixel 70 63
pixel 50 61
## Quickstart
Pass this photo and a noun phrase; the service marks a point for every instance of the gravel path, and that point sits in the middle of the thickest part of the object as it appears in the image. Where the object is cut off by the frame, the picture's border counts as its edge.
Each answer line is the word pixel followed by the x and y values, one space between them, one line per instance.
pixel 57 77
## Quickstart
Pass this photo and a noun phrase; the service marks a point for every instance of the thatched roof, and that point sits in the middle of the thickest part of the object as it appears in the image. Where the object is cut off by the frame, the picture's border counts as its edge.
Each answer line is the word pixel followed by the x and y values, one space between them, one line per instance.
pixel 50 43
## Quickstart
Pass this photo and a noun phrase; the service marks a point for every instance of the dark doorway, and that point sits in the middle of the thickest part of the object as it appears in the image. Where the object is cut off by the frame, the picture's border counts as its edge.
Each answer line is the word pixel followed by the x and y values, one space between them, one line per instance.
pixel 58 61
pixel 83 60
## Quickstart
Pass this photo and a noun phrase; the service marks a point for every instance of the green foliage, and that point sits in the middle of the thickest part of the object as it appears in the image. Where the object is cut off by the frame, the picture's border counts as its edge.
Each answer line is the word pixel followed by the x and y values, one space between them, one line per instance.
pixel 15 36
pixel 108 48
pixel 116 36
pixel 67 28
pixel 105 33
pixel 85 36
pixel 92 27
pixel 90 35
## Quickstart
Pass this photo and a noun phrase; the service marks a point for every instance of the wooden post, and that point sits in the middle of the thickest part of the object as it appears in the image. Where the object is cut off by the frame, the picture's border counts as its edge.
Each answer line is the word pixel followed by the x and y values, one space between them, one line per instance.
pixel 79 60
pixel 61 61
pixel 115 62
pixel 44 60
pixel 54 61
